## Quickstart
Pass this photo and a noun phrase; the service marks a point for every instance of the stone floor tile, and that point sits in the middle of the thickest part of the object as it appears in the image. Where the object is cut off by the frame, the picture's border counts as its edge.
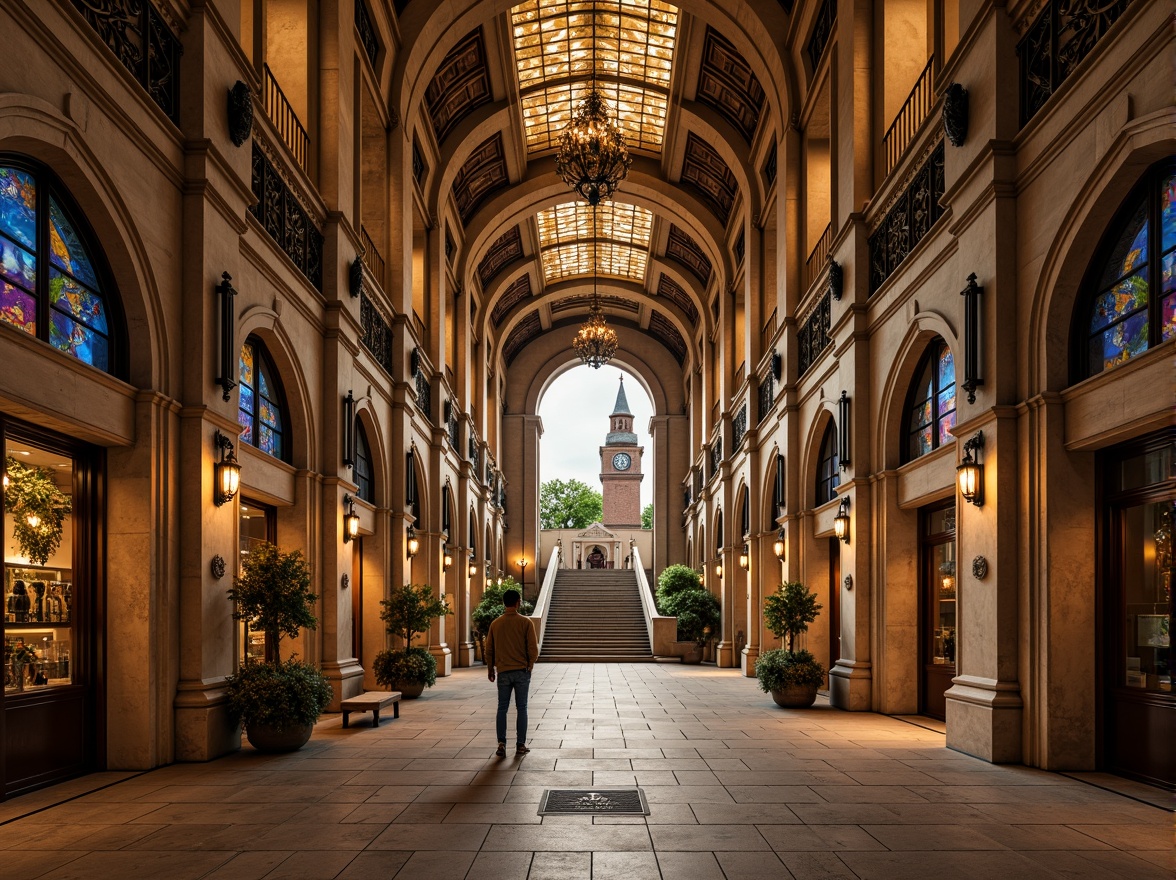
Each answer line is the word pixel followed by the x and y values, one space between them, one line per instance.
pixel 815 865
pixel 314 865
pixel 744 814
pixel 1129 837
pixel 291 836
pixel 463 794
pixel 1000 865
pixel 436 866
pixel 561 866
pixel 375 814
pixel 570 837
pixel 811 838
pixel 500 814
pixel 501 866
pixel 773 794
pixel 707 838
pixel 248 866
pixel 454 836
pixel 141 865
pixel 395 794
pixel 751 866
pixel 903 838
pixel 690 866
pixel 424 814
pixel 624 866
pixel 687 794
pixel 1048 837
pixel 370 865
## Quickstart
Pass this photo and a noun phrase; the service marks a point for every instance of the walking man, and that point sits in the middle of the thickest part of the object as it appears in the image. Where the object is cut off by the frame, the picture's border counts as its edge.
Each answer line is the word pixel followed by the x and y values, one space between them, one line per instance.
pixel 511 649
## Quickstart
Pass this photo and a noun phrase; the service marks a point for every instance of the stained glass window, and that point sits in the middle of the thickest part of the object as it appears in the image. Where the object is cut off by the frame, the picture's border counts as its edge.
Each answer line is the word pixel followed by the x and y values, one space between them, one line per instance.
pixel 260 411
pixel 828 471
pixel 931 406
pixel 1120 321
pixel 66 305
pixel 365 488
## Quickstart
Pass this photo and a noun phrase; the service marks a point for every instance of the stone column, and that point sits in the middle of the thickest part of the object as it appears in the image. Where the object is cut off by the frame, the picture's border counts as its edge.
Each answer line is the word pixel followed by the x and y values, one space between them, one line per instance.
pixel 851 679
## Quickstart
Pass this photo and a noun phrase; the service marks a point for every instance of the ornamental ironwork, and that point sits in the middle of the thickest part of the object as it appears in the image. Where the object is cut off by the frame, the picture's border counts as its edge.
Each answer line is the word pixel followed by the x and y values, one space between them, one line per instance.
pixel 375 334
pixel 912 216
pixel 452 426
pixel 285 220
pixel 822 30
pixel 697 482
pixel 423 395
pixel 813 337
pixel 240 113
pixel 955 114
pixel 472 453
pixel 767 396
pixel 739 427
pixel 367 33
pixel 143 43
pixel 1057 43
pixel 716 456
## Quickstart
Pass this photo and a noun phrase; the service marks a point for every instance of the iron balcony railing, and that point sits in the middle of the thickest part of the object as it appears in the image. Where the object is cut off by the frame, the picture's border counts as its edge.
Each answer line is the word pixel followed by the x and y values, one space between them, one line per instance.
pixel 911 117
pixel 815 264
pixel 285 120
pixel 371 256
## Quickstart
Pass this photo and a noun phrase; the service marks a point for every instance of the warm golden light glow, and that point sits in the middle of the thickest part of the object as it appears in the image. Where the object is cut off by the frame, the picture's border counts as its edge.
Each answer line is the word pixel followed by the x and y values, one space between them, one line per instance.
pixel 33 520
pixel 620 245
pixel 412 542
pixel 780 544
pixel 227 472
pixel 841 521
pixel 595 341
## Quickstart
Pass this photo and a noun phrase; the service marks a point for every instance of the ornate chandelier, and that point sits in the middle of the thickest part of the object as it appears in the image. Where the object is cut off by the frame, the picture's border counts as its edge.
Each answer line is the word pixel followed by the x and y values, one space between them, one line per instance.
pixel 592 157
pixel 595 342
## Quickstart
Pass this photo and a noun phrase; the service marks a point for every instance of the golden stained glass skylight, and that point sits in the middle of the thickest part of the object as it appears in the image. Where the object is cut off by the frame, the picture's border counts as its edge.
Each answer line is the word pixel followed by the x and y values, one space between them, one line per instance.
pixel 634 52
pixel 622 237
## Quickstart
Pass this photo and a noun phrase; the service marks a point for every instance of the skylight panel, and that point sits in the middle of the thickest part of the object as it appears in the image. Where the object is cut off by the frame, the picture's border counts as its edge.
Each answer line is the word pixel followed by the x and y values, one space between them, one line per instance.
pixel 572 221
pixel 613 259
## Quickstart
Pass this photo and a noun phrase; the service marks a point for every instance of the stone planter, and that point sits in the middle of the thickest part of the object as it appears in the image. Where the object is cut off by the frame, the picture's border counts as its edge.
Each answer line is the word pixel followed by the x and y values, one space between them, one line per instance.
pixel 795 696
pixel 265 738
pixel 692 654
pixel 409 690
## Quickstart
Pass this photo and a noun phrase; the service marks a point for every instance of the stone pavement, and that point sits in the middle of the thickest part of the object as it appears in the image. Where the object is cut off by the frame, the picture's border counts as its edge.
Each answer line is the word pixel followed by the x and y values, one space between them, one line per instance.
pixel 737 788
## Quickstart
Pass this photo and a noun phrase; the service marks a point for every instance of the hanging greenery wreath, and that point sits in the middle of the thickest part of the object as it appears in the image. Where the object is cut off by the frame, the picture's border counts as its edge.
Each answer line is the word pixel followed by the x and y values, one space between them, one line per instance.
pixel 38 510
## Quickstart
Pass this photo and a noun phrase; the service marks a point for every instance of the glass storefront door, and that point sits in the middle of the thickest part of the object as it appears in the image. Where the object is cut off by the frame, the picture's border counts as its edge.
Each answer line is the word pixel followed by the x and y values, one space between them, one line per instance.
pixel 1139 705
pixel 48 578
pixel 258 525
pixel 939 612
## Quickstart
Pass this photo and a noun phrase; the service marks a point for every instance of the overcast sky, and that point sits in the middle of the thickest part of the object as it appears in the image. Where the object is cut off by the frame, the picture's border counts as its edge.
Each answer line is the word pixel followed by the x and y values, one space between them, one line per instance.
pixel 575 411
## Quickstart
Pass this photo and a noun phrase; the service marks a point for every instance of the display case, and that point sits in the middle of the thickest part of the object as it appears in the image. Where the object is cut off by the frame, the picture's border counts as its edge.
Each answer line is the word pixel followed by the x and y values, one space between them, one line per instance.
pixel 38 627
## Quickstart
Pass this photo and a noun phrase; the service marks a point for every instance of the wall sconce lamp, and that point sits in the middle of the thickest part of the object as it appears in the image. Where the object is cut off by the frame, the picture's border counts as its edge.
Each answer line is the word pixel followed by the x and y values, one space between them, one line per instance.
pixel 228 336
pixel 412 542
pixel 350 520
pixel 970 472
pixel 523 570
pixel 226 473
pixel 780 545
pixel 744 557
pixel 841 521
pixel 349 430
pixel 719 570
pixel 473 565
pixel 446 557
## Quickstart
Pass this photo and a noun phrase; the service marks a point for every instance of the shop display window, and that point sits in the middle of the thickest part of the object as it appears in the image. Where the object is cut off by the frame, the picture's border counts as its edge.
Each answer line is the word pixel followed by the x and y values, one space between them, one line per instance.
pixel 258 525
pixel 38 568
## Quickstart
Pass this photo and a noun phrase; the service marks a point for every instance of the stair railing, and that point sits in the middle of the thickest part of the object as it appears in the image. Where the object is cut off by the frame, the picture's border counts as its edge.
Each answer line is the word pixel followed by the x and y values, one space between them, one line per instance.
pixel 545 591
pixel 647 607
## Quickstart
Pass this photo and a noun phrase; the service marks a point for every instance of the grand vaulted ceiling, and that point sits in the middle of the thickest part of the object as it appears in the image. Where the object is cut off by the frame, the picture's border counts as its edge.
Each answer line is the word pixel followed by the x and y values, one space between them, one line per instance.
pixel 672 235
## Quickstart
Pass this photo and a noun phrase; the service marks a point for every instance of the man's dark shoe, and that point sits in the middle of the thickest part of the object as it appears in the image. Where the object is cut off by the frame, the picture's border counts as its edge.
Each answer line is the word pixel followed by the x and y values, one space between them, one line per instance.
pixel 521 750
pixel 501 750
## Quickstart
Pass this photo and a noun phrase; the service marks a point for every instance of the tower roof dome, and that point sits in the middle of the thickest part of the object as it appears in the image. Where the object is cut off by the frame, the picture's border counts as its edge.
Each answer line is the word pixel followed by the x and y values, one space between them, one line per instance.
pixel 621 407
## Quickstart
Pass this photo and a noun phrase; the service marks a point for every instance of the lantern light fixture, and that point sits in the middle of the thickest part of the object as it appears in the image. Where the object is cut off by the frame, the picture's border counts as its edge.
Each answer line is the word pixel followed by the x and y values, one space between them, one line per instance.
pixel 412 542
pixel 446 557
pixel 780 545
pixel 350 520
pixel 970 472
pixel 226 472
pixel 719 570
pixel 473 564
pixel 841 521
pixel 523 571
pixel 744 557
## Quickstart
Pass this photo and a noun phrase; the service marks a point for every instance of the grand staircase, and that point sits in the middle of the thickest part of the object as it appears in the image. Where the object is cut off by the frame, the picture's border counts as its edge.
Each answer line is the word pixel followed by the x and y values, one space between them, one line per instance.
pixel 595 615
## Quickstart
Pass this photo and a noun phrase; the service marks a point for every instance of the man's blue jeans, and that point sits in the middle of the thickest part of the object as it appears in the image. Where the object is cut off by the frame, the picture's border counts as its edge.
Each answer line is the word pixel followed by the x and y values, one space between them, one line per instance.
pixel 517 681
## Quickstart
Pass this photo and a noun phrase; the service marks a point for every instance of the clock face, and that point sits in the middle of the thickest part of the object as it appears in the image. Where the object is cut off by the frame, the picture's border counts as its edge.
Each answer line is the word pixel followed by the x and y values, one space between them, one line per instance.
pixel 621 461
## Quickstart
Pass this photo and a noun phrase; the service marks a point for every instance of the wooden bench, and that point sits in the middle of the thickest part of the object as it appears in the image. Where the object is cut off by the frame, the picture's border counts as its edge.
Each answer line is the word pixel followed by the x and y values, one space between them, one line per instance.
pixel 372 701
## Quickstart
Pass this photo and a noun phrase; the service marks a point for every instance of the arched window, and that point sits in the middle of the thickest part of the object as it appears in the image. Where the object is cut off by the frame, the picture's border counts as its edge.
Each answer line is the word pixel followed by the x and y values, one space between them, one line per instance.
pixel 365 490
pixel 1117 318
pixel 53 281
pixel 931 403
pixel 828 472
pixel 261 408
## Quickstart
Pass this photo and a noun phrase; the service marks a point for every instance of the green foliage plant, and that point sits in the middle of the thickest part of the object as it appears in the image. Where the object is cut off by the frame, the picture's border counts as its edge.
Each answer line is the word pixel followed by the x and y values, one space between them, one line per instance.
pixel 647 516
pixel 569 504
pixel 409 611
pixel 789 611
pixel 492 607
pixel 272 593
pixel 38 509
pixel 673 580
pixel 779 669
pixel 699 614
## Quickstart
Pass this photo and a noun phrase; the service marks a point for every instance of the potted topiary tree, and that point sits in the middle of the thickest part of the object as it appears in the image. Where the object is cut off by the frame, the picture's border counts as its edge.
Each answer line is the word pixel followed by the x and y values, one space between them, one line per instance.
pixel 277 701
pixel 792 677
pixel 680 594
pixel 407 612
pixel 492 607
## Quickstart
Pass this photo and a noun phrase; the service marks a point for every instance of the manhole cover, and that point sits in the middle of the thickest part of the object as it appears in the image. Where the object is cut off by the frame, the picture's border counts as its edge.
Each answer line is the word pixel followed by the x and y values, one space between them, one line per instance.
pixel 591 801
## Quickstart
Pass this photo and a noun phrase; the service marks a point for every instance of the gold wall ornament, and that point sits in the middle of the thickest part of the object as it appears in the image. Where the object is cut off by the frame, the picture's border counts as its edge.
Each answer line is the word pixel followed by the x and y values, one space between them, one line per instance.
pixel 591 155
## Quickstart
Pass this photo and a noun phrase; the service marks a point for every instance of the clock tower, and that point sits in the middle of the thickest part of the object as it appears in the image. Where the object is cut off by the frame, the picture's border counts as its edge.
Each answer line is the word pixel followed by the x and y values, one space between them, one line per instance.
pixel 620 468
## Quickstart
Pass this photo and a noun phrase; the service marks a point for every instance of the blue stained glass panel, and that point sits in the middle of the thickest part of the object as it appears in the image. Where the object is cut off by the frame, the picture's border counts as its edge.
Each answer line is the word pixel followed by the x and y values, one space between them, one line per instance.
pixel 65 247
pixel 1130 250
pixel 1168 267
pixel 1168 199
pixel 17 264
pixel 18 206
pixel 270 442
pixel 945 427
pixel 82 303
pixel 947 400
pixel 246 369
pixel 1122 341
pixel 921 415
pixel 923 442
pixel 269 415
pixel 1168 316
pixel 18 308
pixel 946 368
pixel 246 401
pixel 245 420
pixel 264 385
pixel 1121 300
pixel 78 340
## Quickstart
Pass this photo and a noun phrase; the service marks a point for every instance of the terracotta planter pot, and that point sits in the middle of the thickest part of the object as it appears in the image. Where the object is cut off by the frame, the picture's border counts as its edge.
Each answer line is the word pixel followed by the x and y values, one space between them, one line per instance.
pixel 796 696
pixel 693 654
pixel 409 690
pixel 265 738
